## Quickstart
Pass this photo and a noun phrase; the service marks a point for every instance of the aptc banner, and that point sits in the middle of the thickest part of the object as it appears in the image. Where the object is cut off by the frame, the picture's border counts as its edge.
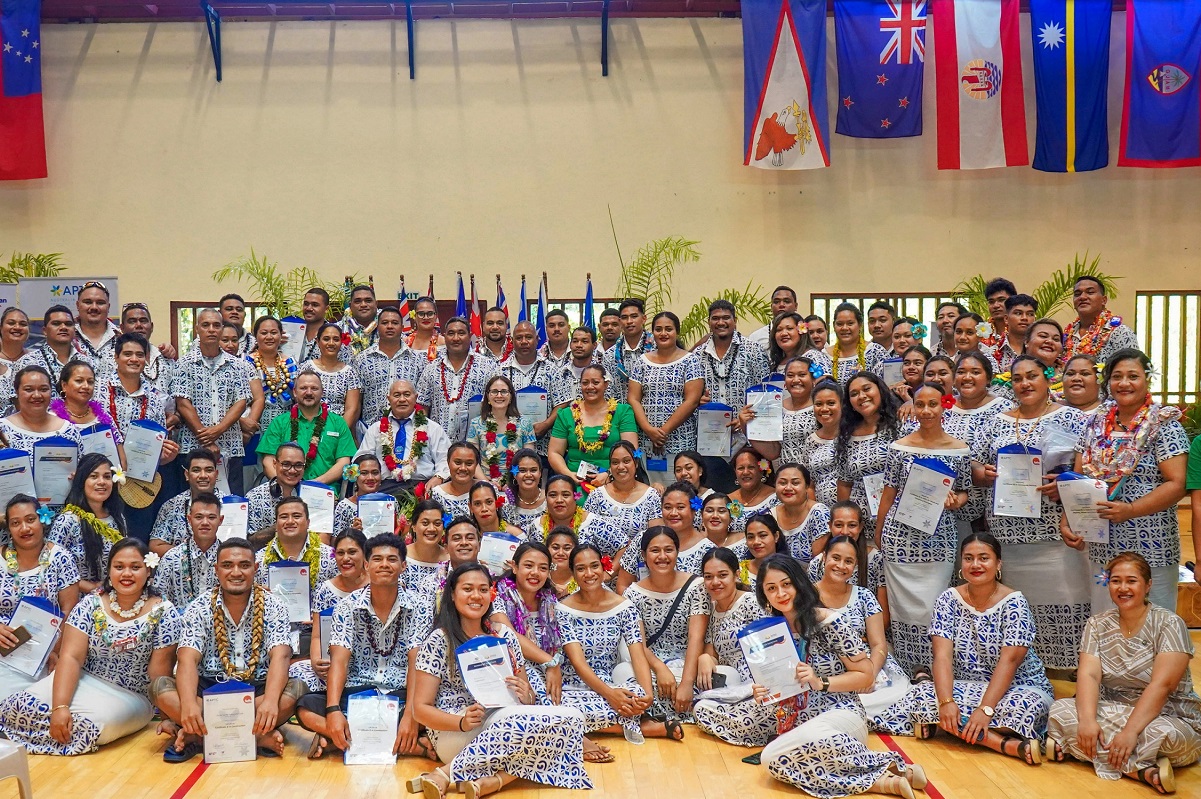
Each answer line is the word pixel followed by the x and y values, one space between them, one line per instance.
pixel 36 294
pixel 8 295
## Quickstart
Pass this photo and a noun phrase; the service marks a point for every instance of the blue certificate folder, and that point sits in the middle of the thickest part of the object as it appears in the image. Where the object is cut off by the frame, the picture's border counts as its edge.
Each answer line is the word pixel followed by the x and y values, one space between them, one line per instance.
pixel 768 622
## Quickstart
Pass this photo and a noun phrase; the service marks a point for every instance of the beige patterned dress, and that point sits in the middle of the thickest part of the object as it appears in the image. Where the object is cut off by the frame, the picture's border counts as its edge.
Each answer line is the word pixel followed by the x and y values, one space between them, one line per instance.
pixel 1126 665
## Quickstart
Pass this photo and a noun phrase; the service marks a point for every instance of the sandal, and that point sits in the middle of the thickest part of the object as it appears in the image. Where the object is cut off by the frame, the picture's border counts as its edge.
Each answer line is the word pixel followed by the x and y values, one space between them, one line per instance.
pixel 475 788
pixel 916 776
pixel 924 732
pixel 1053 750
pixel 422 784
pixel 894 785
pixel 922 675
pixel 189 751
pixel 1160 776
pixel 320 747
pixel 672 726
pixel 1027 749
pixel 597 754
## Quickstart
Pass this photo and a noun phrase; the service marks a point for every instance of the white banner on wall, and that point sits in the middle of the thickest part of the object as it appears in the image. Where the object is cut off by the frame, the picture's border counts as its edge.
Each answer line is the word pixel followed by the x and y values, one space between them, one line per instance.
pixel 36 294
pixel 8 295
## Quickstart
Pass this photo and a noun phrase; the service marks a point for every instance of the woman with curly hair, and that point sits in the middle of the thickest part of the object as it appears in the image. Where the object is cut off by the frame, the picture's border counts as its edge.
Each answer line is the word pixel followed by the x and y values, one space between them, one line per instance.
pixel 867 427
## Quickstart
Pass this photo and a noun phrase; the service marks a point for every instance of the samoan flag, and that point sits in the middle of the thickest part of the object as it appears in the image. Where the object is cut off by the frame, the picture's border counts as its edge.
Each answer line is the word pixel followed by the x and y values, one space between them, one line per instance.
pixel 881 64
pixel 22 130
pixel 1161 117
pixel 784 94
pixel 1071 78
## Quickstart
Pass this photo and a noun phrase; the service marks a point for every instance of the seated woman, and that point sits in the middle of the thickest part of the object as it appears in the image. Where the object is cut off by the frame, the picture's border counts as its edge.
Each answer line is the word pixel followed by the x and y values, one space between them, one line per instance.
pixel 32 421
pixel 679 508
pixel 729 712
pixel 822 748
pixel 484 750
pixel 594 622
pixel 755 492
pixel 588 428
pixel 371 476
pixel 562 510
pixel 674 613
pixel 115 645
pixel 846 519
pixel 92 520
pixel 485 503
pixel 715 519
pixel 627 502
pixel 804 522
pixel 525 503
pixel 349 549
pixel 1135 712
pixel 428 536
pixel 989 687
pixel 560 542
pixel 763 539
pixel 462 459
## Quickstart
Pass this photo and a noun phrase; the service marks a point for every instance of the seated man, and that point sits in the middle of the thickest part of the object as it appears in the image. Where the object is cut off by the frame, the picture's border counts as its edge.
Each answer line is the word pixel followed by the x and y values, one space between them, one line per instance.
pixel 325 441
pixel 190 569
pixel 260 515
pixel 215 646
pixel 411 450
pixel 374 641
pixel 171 526
pixel 462 545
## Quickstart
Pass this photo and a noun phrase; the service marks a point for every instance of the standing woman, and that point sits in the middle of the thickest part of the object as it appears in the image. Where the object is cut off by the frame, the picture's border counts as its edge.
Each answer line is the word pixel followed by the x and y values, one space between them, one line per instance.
pixel 1135 712
pixel 14 335
pixel 679 509
pixel 92 520
pixel 1053 577
pixel 822 748
pixel 341 389
pixel 788 339
pixel 819 333
pixel 500 431
pixel 32 421
pixel 866 429
pixel 463 461
pixel 427 537
pixel 715 518
pixel 1082 383
pixel 735 717
pixel 799 421
pixel 689 467
pixel 665 389
pixel 850 354
pixel 524 500
pixel 804 522
pixel 563 510
pixel 756 492
pixel 1140 450
pixel 350 547
pixel 484 500
pixel 277 371
pixel 918 563
pixel 77 402
pixel 818 452
pixel 589 427
pixel 940 370
pixel 913 372
pixel 974 410
pixel 674 613
pixel 626 502
pixel 484 750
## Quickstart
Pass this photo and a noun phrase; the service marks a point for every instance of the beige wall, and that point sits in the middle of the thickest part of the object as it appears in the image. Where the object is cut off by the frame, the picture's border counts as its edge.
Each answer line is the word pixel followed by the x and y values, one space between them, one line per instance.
pixel 502 156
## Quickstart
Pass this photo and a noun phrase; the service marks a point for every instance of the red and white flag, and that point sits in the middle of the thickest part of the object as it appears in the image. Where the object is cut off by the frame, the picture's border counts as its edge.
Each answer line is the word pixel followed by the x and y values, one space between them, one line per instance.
pixel 476 319
pixel 978 65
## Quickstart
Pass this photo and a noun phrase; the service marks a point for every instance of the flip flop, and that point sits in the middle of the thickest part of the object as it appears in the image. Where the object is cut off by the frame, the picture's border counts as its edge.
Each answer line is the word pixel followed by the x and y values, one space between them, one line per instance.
pixel 599 756
pixel 319 748
pixel 753 760
pixel 189 751
pixel 672 726
pixel 1163 771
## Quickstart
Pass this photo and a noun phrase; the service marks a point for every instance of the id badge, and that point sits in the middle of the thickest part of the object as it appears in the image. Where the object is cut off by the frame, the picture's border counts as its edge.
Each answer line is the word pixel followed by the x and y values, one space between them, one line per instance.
pixel 586 470
pixel 656 464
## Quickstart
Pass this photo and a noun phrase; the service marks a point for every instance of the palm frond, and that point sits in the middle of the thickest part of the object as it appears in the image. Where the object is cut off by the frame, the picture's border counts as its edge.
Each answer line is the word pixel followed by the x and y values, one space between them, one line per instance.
pixel 1055 292
pixel 971 293
pixel 650 272
pixel 266 284
pixel 28 264
pixel 750 302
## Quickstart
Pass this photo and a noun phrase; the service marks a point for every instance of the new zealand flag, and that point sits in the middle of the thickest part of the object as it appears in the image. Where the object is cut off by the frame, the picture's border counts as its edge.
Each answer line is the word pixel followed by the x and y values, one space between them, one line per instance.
pixel 881 62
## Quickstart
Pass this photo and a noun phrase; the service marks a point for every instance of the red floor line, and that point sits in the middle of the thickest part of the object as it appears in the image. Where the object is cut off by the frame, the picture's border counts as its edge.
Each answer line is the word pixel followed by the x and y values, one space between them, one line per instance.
pixel 894 746
pixel 192 779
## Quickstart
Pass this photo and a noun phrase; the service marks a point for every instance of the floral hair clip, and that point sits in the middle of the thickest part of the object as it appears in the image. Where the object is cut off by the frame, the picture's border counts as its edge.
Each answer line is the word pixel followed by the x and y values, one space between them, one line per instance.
pixel 45 515
pixel 446 520
pixel 1049 373
pixel 1100 368
pixel 803 326
pixel 577 493
pixel 151 559
pixel 948 401
pixel 695 504
pixel 607 563
pixel 736 508
pixel 638 453
pixel 984 330
pixel 118 476
pixel 346 339
pixel 765 465
pixel 816 371
pixel 920 331
pixel 500 500
pixel 350 473
pixel 515 470
pixel 1102 577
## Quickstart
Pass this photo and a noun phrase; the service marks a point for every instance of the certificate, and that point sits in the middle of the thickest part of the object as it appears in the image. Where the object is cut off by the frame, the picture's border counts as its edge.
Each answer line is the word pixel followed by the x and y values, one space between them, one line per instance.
pixel 235 514
pixel 892 371
pixel 16 475
pixel 326 617
pixel 1019 474
pixel 378 514
pixel 289 583
pixel 873 484
pixel 222 477
pixel 926 489
pixel 485 662
pixel 373 717
pixel 713 431
pixel 474 405
pixel 321 500
pixel 293 329
pixel 99 438
pixel 229 719
pixel 534 402
pixel 1080 496
pixel 496 549
pixel 143 446
pixel 772 656
pixel 43 622
pixel 767 401
pixel 54 460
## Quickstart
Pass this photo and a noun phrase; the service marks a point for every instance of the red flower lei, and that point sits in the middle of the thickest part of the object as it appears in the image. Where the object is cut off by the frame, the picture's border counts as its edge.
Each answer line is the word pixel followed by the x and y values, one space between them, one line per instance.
pixel 492 457
pixel 318 429
pixel 1092 340
pixel 420 440
pixel 431 350
pixel 462 386
pixel 112 407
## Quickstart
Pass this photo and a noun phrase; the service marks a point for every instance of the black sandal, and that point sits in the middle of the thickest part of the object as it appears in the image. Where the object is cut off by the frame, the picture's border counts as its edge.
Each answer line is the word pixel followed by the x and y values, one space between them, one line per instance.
pixel 672 726
pixel 922 675
pixel 1028 750
pixel 189 751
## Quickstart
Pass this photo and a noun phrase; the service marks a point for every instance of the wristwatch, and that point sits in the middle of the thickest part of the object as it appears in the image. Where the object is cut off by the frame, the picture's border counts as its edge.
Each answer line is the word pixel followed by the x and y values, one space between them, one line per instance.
pixel 988 711
pixel 333 709
pixel 825 683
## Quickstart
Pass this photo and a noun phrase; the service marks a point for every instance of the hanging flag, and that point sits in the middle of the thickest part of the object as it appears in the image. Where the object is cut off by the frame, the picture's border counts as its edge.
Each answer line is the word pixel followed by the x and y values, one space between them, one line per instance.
pixel 523 314
pixel 1161 116
pixel 978 71
pixel 502 302
pixel 461 300
pixel 1071 78
pixel 22 132
pixel 784 92
pixel 430 291
pixel 476 320
pixel 402 302
pixel 588 321
pixel 881 63
pixel 540 324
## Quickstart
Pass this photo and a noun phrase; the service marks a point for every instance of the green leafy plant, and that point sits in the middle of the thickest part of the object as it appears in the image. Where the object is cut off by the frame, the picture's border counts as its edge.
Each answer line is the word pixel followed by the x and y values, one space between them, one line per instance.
pixel 282 292
pixel 1053 294
pixel 28 264
pixel 1191 420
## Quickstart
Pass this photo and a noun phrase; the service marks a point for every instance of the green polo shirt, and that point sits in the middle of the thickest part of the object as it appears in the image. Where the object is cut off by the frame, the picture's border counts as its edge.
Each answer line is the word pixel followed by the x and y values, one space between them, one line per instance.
pixel 336 441
pixel 1193 479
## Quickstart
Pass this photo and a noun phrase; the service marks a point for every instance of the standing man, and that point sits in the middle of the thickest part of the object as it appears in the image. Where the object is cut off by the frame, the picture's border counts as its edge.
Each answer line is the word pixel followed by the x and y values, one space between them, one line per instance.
pixel 525 368
pixel 880 319
pixel 566 385
pixel 171 526
pixel 211 391
pixel 59 348
pixel 610 329
pixel 557 349
pixel 1021 311
pixel 945 318
pixel 96 333
pixel 233 310
pixel 1096 331
pixel 495 343
pixel 160 362
pixel 362 324
pixel 995 293
pixel 409 449
pixel 326 442
pixel 190 569
pixel 314 310
pixel 457 375
pixel 783 300
pixel 634 342
pixel 383 363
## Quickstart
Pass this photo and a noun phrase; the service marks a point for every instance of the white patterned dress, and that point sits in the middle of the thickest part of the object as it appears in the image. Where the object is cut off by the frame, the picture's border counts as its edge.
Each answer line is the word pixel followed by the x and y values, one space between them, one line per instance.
pixel 24 440
pixel 632 517
pixel 688 560
pixel 817 455
pixel 602 532
pixel 738 523
pixel 110 700
pixel 873 361
pixel 601 637
pixel 455 505
pixel 891 684
pixel 55 572
pixel 734 717
pixel 798 426
pixel 800 538
pixel 335 385
pixel 525 518
pixel 324 598
pixel 965 425
pixel 672 642
pixel 540 743
pixel 662 393
pixel 68 534
pixel 866 456
pixel 875 571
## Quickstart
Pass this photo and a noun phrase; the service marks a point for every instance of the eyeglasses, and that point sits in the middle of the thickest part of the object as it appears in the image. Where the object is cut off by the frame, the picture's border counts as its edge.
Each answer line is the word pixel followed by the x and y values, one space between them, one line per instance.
pixel 499 392
pixel 426 314
pixel 290 466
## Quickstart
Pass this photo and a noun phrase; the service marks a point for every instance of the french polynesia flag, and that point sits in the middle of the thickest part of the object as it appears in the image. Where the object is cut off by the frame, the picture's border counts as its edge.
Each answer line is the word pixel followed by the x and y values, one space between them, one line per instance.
pixel 978 67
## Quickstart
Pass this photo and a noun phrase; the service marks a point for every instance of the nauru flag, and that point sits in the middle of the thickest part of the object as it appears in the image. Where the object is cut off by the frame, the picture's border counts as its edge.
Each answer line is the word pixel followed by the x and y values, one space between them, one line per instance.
pixel 978 66
pixel 784 53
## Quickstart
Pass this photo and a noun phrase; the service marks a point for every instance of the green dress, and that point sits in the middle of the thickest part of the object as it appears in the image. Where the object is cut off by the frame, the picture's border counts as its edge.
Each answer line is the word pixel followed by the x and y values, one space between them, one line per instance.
pixel 564 428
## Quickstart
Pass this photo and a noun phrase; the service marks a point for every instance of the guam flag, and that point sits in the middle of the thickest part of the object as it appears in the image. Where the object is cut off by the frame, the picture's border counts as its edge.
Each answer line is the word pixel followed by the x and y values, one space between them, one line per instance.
pixel 1161 118
pixel 22 135
pixel 881 63
pixel 784 50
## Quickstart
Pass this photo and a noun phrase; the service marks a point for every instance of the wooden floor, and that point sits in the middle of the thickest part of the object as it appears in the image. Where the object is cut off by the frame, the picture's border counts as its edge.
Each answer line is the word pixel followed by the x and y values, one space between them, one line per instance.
pixel 701 766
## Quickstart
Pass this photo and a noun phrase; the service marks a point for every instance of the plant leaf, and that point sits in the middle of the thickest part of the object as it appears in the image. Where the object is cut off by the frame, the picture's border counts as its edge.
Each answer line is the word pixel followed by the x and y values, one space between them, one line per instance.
pixel 28 264
pixel 751 303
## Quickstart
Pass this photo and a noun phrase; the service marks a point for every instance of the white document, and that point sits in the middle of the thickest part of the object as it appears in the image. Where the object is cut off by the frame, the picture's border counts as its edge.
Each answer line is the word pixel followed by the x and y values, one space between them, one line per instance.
pixel 54 460
pixel 873 484
pixel 1015 493
pixel 235 515
pixel 1080 496
pixel 769 651
pixel 321 500
pixel 534 402
pixel 99 438
pixel 485 662
pixel 921 503
pixel 713 435
pixel 892 371
pixel 496 549
pixel 474 405
pixel 373 718
pixel 293 329
pixel 289 583
pixel 378 514
pixel 16 475
pixel 326 617
pixel 43 622
pixel 143 445
pixel 222 477
pixel 229 719
pixel 768 404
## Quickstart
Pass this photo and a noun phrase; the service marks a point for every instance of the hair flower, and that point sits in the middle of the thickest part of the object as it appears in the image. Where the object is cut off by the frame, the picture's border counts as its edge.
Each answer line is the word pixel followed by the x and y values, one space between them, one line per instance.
pixel 350 472
pixel 765 465
pixel 984 330
pixel 419 491
pixel 1049 373
pixel 638 453
pixel 346 339
pixel 515 470
pixel 607 563
pixel 803 326
pixel 500 500
pixel 816 371
pixel 1115 321
pixel 695 504
pixel 446 520
pixel 1100 368
pixel 152 560
pixel 920 331
pixel 948 401
pixel 118 476
pixel 1101 577
pixel 45 515
pixel 736 508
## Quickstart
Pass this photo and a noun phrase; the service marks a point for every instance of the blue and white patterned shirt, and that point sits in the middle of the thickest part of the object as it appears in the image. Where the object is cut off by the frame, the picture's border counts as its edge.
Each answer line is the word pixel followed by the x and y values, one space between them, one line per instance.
pixel 198 634
pixel 379 648
pixel 212 385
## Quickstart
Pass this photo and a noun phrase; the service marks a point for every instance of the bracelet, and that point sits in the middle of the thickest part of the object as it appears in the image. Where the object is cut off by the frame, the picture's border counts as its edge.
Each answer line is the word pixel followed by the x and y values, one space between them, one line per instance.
pixel 333 709
pixel 950 701
pixel 59 707
pixel 461 720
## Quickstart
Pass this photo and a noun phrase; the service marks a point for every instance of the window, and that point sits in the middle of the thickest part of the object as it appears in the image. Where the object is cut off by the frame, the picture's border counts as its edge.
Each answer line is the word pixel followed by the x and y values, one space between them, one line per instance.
pixel 573 307
pixel 1168 326
pixel 183 320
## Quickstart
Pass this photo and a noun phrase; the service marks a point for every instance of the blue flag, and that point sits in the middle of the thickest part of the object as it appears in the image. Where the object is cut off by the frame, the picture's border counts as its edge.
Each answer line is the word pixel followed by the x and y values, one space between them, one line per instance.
pixel 461 300
pixel 1161 118
pixel 588 321
pixel 540 322
pixel 881 63
pixel 523 314
pixel 1071 78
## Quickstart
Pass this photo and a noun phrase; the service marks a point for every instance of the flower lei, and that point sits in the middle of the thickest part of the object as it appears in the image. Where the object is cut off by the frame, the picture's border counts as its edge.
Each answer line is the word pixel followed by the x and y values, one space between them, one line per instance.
pixel 59 408
pixel 592 447
pixel 318 429
pixel 549 639
pixel 482 349
pixel 258 611
pixel 431 350
pixel 860 356
pixel 311 555
pixel 359 336
pixel 11 566
pixel 577 519
pixel 403 470
pixel 277 381
pixel 112 406
pixel 648 344
pixel 1092 340
pixel 493 451
pixel 101 623
pixel 1112 459
pixel 462 386
pixel 103 529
